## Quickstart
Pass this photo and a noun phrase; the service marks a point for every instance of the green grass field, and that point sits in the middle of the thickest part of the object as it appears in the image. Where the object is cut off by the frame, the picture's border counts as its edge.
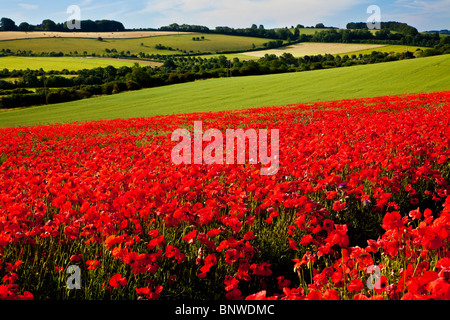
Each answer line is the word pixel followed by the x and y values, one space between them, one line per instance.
pixel 212 43
pixel 400 77
pixel 60 63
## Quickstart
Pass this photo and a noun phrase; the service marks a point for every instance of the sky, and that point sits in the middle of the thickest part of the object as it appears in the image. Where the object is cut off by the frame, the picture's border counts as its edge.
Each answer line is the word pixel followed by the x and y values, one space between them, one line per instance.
pixel 424 15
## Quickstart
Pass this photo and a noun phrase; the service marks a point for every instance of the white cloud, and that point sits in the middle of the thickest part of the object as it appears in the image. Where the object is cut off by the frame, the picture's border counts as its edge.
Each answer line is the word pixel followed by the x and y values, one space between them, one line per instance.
pixel 245 12
pixel 27 6
pixel 425 6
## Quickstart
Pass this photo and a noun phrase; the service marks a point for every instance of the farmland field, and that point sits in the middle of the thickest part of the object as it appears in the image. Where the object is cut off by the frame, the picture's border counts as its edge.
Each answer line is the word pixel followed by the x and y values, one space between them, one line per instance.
pixel 407 76
pixel 15 35
pixel 361 186
pixel 388 49
pixel 315 48
pixel 212 43
pixel 60 63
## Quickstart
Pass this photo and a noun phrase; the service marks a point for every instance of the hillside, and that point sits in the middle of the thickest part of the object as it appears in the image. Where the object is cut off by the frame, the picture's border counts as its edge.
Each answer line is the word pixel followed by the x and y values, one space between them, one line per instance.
pixel 406 76
pixel 169 44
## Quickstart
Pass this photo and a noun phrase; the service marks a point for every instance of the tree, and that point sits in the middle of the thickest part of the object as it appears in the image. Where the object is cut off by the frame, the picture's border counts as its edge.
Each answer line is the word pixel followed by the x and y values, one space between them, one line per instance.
pixel 169 64
pixel 7 24
pixel 320 25
pixel 297 33
pixel 48 25
pixel 25 26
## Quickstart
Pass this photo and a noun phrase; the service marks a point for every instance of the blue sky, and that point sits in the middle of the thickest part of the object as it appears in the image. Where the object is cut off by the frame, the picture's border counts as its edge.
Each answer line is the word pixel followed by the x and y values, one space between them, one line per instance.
pixel 424 15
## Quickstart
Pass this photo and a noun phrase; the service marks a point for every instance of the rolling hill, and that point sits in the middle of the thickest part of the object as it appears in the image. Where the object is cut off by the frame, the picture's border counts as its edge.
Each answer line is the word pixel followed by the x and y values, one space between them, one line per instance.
pixel 400 77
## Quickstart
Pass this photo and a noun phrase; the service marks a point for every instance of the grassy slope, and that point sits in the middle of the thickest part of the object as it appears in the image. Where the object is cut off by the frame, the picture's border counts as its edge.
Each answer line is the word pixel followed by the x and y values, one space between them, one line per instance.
pixel 407 76
pixel 59 63
pixel 212 43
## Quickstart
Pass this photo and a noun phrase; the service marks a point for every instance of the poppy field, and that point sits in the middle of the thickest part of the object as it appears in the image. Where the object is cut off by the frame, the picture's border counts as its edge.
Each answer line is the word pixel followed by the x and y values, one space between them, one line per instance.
pixel 358 209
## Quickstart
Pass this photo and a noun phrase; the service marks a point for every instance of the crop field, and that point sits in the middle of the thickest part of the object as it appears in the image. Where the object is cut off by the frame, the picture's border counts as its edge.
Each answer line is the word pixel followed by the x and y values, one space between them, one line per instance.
pixel 389 49
pixel 212 43
pixel 357 208
pixel 15 35
pixel 61 63
pixel 315 48
pixel 406 76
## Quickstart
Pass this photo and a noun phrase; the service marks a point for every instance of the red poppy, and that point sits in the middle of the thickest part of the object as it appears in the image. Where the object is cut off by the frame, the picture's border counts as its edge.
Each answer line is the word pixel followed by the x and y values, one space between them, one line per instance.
pixel 189 238
pixel 117 281
pixel 330 294
pixel 261 269
pixel 149 293
pixel 93 264
pixel 231 283
pixel 234 294
pixel 261 295
pixel 282 282
pixel 231 256
pixel 76 257
pixel 314 295
pixel 392 220
pixel 13 267
pixel 415 214
pixel 292 244
pixel 355 285
pixel 294 293
pixel 339 206
pixel 306 240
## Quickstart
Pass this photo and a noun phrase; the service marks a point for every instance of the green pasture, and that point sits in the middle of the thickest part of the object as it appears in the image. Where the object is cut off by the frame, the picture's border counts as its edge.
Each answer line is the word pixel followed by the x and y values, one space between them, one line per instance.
pixel 212 43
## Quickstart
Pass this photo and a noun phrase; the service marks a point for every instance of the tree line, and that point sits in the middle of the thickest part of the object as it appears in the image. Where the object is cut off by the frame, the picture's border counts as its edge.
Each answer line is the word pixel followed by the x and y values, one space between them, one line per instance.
pixel 357 32
pixel 7 24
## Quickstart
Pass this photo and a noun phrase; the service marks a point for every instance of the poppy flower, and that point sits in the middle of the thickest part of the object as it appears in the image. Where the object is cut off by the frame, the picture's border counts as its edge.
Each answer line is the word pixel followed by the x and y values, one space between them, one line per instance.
pixel 93 264
pixel 27 295
pixel 76 257
pixel 231 256
pixel 261 269
pixel 392 220
pixel 234 294
pixel 292 244
pixel 415 214
pixel 355 285
pixel 294 293
pixel 314 295
pixel 261 295
pixel 380 285
pixel 339 206
pixel 13 267
pixel 282 282
pixel 117 281
pixel 150 293
pixel 330 294
pixel 189 238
